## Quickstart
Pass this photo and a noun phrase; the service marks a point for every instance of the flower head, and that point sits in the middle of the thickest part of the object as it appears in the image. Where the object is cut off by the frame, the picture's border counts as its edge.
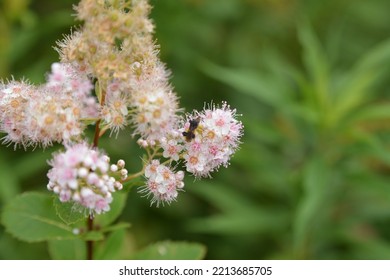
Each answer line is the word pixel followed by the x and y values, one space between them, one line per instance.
pixel 15 99
pixel 52 112
pixel 216 138
pixel 83 175
pixel 162 183
pixel 115 45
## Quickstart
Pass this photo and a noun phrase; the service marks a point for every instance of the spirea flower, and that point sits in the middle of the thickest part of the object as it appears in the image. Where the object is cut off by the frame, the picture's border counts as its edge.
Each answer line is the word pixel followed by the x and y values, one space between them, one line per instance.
pixel 172 148
pixel 215 140
pixel 15 99
pixel 83 175
pixel 115 45
pixel 162 183
pixel 154 114
pixel 114 35
pixel 114 111
pixel 52 112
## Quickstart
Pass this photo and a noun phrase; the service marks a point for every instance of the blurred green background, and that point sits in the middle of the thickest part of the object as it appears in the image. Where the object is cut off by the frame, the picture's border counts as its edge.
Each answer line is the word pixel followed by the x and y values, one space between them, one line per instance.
pixel 312 82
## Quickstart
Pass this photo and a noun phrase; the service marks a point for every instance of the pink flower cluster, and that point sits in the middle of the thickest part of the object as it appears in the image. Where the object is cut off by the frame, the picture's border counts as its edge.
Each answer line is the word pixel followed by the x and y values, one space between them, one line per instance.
pixel 52 112
pixel 207 141
pixel 83 175
pixel 162 183
pixel 215 138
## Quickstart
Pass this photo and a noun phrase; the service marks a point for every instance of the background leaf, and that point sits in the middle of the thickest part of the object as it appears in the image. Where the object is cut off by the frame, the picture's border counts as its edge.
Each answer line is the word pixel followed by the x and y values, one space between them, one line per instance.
pixel 74 249
pixel 68 212
pixel 112 248
pixel 9 186
pixel 31 217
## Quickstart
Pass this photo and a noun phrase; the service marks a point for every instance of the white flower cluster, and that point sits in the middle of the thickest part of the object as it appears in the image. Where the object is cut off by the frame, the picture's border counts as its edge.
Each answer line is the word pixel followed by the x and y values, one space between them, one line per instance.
pixel 207 141
pixel 116 46
pixel 210 138
pixel 216 139
pixel 163 184
pixel 52 112
pixel 83 175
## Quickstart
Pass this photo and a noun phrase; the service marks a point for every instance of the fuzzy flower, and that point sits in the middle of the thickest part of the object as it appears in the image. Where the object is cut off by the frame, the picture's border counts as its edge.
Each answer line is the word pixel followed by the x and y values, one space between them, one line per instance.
pixel 52 112
pixel 162 183
pixel 84 176
pixel 171 148
pixel 114 112
pixel 154 115
pixel 15 98
pixel 115 45
pixel 114 35
pixel 216 138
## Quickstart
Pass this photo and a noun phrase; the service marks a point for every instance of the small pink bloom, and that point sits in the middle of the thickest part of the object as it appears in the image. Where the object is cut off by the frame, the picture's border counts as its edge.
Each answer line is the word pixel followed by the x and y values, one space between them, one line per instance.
pixel 73 178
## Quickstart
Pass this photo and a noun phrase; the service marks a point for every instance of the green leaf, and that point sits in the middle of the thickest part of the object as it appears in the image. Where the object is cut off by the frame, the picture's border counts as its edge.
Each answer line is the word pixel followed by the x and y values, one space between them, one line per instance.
pixel 369 198
pixel 375 58
pixel 115 227
pixel 310 209
pixel 24 41
pixel 74 249
pixel 14 249
pixel 68 212
pixel 33 163
pixel 93 236
pixel 256 222
pixel 373 146
pixel 31 217
pixel 371 250
pixel 226 199
pixel 240 214
pixel 169 250
pixel 111 248
pixel 354 89
pixel 117 206
pixel 9 186
pixel 248 82
pixel 316 64
pixel 372 112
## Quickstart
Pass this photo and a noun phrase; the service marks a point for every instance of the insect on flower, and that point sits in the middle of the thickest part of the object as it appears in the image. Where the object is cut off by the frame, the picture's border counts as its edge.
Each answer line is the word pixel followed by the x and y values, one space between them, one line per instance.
pixel 189 134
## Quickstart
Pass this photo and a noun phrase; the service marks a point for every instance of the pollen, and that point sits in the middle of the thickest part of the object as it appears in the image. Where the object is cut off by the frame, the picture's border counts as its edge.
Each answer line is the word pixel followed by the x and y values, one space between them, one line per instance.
pixel 160 101
pixel 157 114
pixel 166 174
pixel 62 118
pixel 117 104
pixel 118 120
pixel 49 120
pixel 210 134
pixel 76 111
pixel 15 103
pixel 193 160
pixel 142 100
pixel 141 118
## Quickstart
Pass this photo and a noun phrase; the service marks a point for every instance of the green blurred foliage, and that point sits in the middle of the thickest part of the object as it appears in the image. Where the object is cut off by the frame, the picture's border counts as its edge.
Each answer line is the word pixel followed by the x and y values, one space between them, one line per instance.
pixel 311 80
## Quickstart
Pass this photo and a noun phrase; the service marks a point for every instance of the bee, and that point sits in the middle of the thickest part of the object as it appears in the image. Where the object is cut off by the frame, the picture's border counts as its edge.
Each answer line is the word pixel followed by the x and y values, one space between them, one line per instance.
pixel 189 134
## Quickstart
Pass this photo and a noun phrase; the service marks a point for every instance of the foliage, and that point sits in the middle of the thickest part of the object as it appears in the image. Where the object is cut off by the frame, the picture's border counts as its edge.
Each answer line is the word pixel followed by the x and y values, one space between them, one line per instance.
pixel 311 79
